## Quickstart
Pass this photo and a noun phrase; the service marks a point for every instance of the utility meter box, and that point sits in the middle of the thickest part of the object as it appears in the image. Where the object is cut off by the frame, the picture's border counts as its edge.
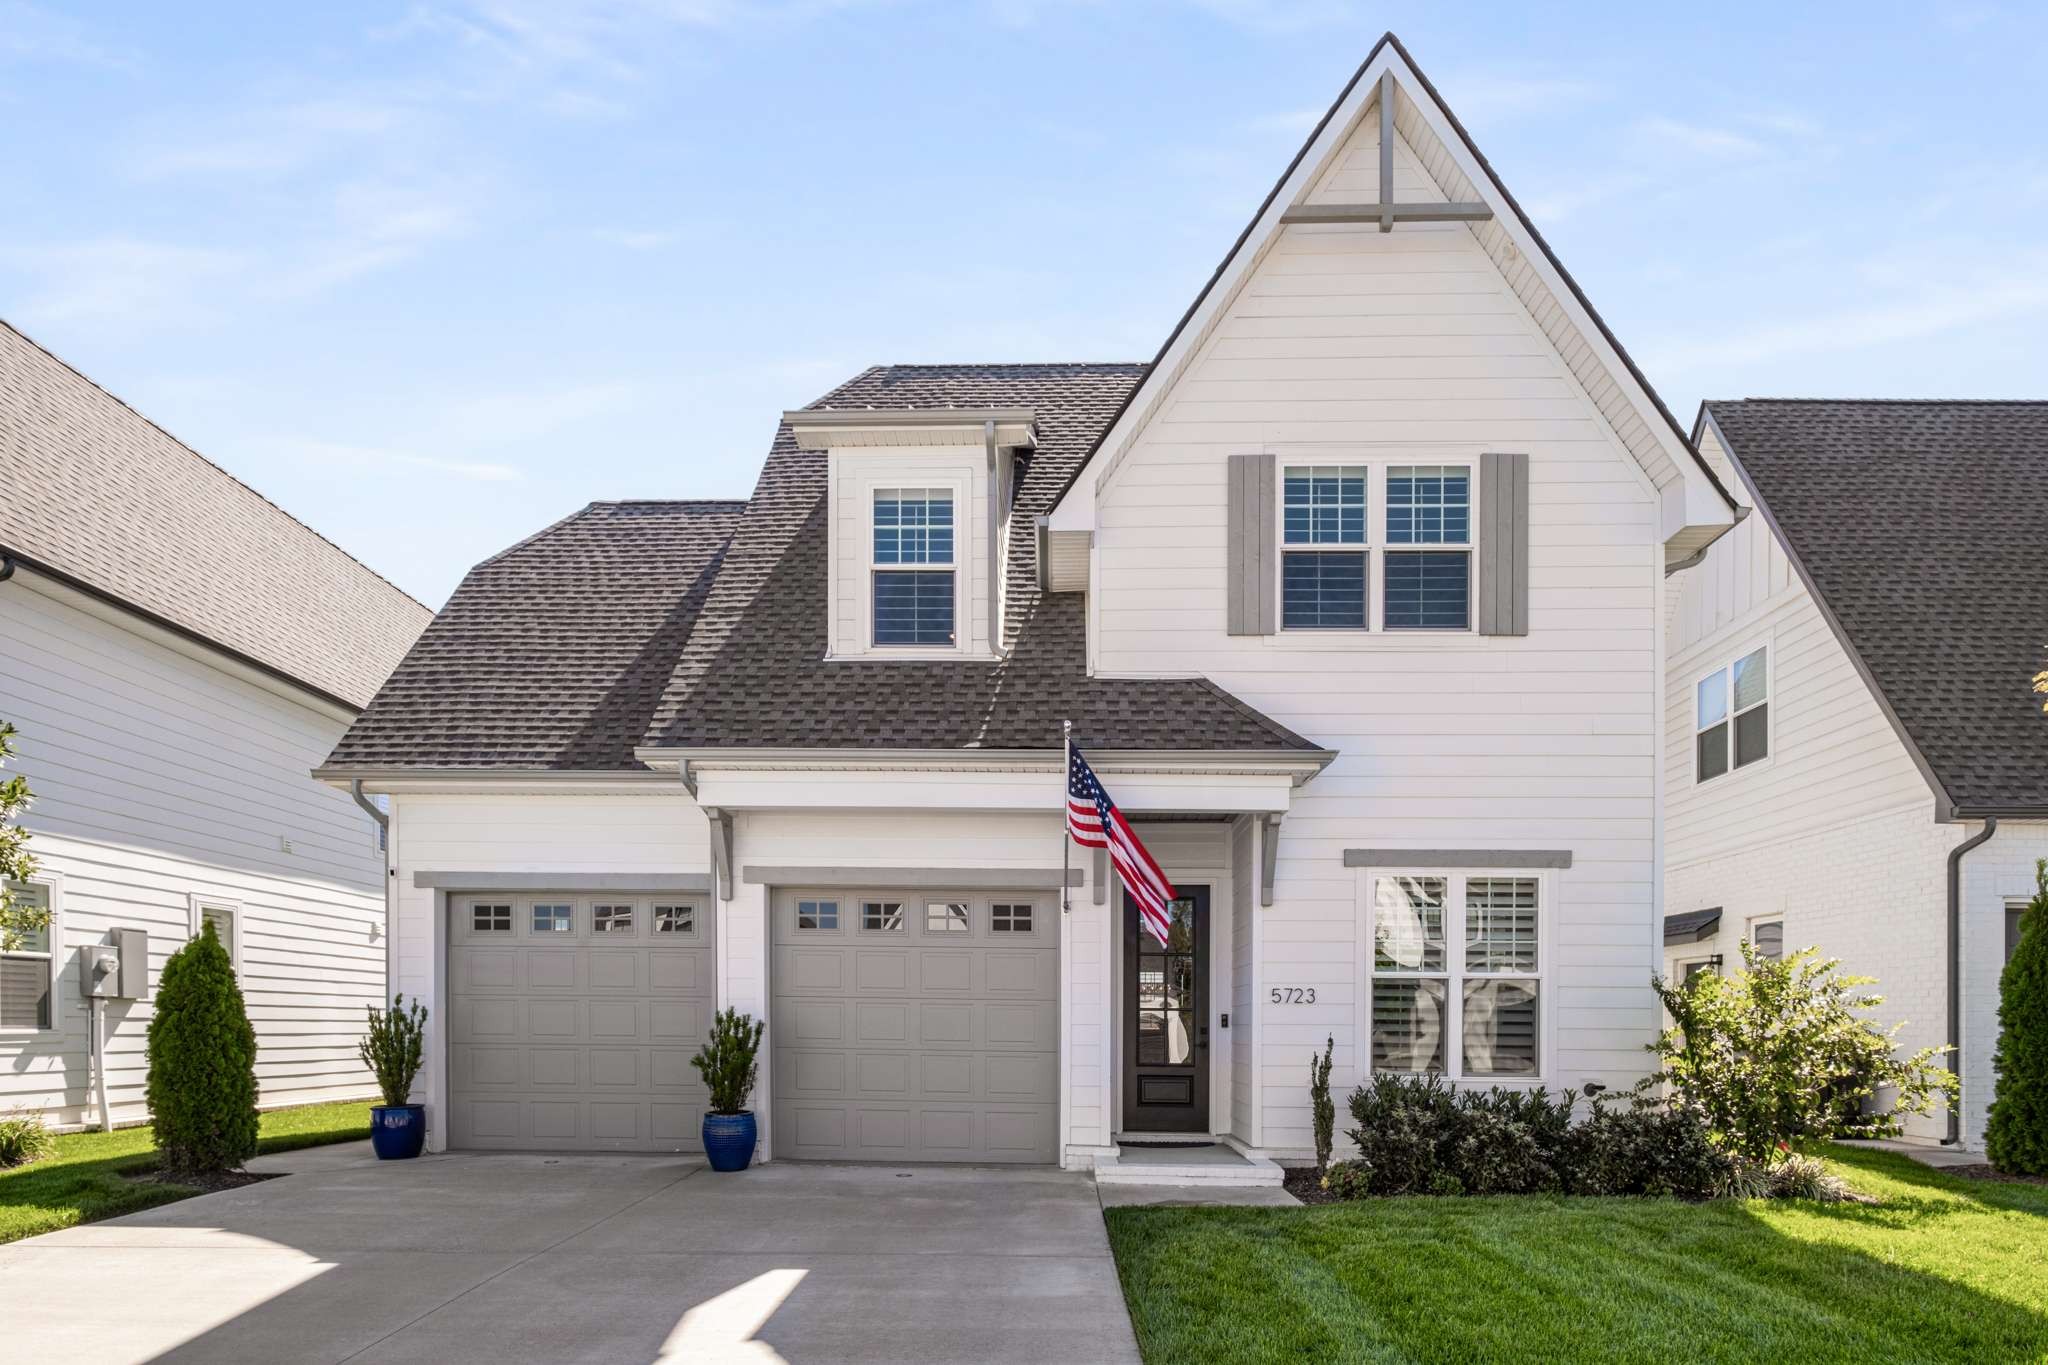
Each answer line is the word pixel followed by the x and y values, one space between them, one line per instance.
pixel 99 971
pixel 117 970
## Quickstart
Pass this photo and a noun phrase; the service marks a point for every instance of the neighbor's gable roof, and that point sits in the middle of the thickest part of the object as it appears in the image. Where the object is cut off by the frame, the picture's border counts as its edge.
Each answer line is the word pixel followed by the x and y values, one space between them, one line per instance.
pixel 95 494
pixel 1917 526
pixel 1560 308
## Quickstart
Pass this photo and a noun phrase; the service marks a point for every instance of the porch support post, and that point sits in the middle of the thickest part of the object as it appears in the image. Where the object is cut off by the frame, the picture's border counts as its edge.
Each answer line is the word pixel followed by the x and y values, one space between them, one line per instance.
pixel 1269 857
pixel 721 849
pixel 1099 877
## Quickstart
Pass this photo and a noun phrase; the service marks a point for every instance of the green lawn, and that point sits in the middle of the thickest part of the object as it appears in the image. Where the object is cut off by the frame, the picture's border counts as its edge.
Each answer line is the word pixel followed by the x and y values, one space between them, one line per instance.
pixel 1943 1269
pixel 82 1180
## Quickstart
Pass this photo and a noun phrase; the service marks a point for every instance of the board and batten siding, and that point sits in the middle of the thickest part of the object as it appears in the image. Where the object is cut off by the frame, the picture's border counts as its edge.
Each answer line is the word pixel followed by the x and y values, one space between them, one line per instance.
pixel 1410 347
pixel 163 772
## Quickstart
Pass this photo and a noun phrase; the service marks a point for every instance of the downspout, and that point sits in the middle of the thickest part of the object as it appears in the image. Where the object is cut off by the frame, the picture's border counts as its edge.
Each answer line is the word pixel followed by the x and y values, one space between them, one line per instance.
pixel 1955 967
pixel 355 789
pixel 6 567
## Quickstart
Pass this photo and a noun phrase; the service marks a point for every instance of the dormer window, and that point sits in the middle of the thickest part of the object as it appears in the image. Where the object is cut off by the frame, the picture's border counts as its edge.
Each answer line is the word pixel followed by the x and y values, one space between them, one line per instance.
pixel 913 567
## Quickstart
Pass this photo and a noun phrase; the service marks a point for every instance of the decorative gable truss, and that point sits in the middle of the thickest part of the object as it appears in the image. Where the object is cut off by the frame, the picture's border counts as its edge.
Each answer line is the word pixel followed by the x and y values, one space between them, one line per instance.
pixel 1389 154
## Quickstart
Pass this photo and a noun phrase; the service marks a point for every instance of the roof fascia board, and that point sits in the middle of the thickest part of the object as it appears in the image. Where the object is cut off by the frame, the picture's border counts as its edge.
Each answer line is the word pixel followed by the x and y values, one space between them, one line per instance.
pixel 1071 513
pixel 383 780
pixel 1290 762
pixel 1945 806
pixel 803 419
pixel 55 583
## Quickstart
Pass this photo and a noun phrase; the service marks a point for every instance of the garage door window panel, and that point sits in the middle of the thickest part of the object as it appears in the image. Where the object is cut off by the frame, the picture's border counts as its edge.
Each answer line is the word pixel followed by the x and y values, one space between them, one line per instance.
pixel 553 917
pixel 881 917
pixel 817 916
pixel 675 921
pixel 612 920
pixel 495 918
pixel 946 917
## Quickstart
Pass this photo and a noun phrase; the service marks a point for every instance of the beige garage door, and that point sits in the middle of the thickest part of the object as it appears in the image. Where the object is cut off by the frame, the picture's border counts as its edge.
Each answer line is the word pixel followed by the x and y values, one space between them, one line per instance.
pixel 573 1020
pixel 915 1026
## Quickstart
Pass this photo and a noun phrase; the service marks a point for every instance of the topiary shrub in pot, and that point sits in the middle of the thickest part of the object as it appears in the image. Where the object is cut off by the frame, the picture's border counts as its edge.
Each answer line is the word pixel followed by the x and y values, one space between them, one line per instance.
pixel 202 1063
pixel 729 1062
pixel 393 1049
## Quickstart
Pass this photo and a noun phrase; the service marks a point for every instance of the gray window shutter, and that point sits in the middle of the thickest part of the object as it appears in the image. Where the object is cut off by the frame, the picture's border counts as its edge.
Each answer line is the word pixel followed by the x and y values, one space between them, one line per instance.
pixel 1254 558
pixel 1503 544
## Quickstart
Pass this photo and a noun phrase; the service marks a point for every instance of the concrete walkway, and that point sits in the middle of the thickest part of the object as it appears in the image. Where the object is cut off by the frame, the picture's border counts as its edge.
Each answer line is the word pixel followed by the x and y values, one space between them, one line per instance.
pixel 503 1259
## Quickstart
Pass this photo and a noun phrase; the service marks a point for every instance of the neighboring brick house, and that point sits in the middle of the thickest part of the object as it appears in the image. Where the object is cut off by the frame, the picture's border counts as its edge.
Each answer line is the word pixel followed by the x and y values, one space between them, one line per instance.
pixel 1849 707
pixel 176 651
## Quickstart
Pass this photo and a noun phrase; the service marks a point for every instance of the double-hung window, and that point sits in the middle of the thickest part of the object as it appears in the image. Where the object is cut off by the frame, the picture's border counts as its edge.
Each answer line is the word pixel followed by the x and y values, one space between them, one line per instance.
pixel 1732 723
pixel 1457 974
pixel 913 567
pixel 1428 588
pixel 1424 545
pixel 26 970
pixel 1323 556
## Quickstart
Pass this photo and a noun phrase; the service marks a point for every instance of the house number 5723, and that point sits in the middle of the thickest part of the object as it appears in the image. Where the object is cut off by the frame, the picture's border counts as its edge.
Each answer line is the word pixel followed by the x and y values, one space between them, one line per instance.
pixel 1294 995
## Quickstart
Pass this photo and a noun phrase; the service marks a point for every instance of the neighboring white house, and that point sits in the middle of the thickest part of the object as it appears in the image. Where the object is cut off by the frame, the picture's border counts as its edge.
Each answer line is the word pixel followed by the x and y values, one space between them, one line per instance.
pixel 176 652
pixel 1849 718
pixel 1353 596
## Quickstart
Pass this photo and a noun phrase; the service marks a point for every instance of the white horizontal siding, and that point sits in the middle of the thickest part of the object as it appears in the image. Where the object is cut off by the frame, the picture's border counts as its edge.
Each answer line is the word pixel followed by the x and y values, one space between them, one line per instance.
pixel 1346 343
pixel 161 772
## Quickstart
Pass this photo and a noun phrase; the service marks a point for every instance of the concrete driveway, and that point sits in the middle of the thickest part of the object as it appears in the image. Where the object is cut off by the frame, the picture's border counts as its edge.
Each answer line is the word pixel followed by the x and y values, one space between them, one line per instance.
pixel 561 1258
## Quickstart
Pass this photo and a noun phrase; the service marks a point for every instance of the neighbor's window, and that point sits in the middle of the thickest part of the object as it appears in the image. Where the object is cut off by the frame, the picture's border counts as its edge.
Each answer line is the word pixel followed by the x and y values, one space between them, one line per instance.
pixel 1428 589
pixel 611 919
pixel 490 919
pixel 2014 910
pixel 1733 725
pixel 882 916
pixel 1768 938
pixel 25 988
pixel 1472 1012
pixel 553 919
pixel 945 917
pixel 1703 967
pixel 817 914
pixel 1322 534
pixel 1009 919
pixel 679 919
pixel 913 566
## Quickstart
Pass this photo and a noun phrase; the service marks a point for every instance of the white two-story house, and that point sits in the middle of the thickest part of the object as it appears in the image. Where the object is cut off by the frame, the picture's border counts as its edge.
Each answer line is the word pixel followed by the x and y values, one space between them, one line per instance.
pixel 175 652
pixel 1856 760
pixel 1352 596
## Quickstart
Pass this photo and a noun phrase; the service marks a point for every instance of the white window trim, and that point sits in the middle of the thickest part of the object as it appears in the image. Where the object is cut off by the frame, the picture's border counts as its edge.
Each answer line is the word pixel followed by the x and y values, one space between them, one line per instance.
pixel 52 884
pixel 1454 974
pixel 964 550
pixel 1375 548
pixel 1727 661
pixel 199 904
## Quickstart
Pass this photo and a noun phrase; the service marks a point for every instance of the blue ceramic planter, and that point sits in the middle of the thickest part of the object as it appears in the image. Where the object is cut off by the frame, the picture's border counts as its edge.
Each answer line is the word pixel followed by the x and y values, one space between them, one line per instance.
pixel 398 1131
pixel 729 1141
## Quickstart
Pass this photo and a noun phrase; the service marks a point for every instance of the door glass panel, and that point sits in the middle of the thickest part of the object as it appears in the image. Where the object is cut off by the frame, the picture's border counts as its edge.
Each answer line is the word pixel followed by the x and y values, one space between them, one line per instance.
pixel 1166 1005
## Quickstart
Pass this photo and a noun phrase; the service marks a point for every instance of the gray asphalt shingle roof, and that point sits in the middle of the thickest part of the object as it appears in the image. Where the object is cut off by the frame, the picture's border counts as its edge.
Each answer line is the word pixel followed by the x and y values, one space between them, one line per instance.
pixel 1919 526
pixel 704 625
pixel 93 491
pixel 552 654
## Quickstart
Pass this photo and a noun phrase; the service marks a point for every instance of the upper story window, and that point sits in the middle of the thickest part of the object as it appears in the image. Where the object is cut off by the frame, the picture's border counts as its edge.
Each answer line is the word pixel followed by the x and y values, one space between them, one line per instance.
pixel 913 567
pixel 1424 543
pixel 1732 725
pixel 1323 564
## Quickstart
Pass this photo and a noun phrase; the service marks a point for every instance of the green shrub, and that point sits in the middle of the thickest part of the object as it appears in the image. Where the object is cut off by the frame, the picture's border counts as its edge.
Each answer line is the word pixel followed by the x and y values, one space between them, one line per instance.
pixel 2017 1139
pixel 1403 1125
pixel 23 1139
pixel 729 1061
pixel 202 1062
pixel 394 1046
pixel 1348 1179
pixel 1321 1108
pixel 1776 1055
pixel 1806 1177
pixel 1646 1147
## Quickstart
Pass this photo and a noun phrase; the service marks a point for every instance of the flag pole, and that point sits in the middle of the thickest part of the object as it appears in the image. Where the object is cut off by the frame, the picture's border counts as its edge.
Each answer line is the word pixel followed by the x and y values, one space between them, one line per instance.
pixel 1066 844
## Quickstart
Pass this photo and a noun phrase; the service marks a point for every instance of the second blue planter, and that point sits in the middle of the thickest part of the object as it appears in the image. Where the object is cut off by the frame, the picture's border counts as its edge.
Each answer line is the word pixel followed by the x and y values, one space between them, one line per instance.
pixel 729 1141
pixel 397 1131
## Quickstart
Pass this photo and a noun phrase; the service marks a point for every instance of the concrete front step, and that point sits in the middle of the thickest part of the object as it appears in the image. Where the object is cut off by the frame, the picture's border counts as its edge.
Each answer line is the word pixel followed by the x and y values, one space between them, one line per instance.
pixel 1211 1166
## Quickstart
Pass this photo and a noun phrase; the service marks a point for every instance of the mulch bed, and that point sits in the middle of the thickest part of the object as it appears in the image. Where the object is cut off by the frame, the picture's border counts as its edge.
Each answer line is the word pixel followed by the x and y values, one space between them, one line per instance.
pixel 210 1182
pixel 1304 1184
pixel 1985 1171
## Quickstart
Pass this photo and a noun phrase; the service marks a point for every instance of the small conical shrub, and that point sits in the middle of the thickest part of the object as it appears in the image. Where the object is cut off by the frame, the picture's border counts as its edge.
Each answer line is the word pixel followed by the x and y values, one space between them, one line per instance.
pixel 728 1061
pixel 2017 1140
pixel 202 1062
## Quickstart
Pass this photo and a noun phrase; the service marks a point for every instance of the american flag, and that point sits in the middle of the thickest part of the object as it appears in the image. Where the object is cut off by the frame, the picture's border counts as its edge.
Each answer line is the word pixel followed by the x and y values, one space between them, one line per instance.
pixel 1094 822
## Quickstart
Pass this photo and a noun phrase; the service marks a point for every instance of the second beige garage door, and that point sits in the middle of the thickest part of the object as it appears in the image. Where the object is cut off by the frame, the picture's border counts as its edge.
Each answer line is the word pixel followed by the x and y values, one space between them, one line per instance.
pixel 915 1026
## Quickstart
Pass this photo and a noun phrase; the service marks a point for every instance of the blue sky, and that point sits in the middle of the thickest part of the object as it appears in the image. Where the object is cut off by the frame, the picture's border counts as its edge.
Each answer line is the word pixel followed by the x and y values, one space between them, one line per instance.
pixel 433 275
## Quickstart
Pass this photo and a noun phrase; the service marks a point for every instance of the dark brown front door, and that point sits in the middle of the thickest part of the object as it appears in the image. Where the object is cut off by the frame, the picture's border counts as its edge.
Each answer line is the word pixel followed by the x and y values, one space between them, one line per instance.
pixel 1166 1020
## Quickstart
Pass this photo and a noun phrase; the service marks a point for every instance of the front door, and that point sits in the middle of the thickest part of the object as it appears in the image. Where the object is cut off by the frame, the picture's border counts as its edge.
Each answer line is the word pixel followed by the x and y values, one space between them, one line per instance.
pixel 1166 1019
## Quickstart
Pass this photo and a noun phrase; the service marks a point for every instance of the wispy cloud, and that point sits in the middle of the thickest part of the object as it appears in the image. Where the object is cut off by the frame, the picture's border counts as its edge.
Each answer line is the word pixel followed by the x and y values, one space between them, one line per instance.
pixel 126 281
